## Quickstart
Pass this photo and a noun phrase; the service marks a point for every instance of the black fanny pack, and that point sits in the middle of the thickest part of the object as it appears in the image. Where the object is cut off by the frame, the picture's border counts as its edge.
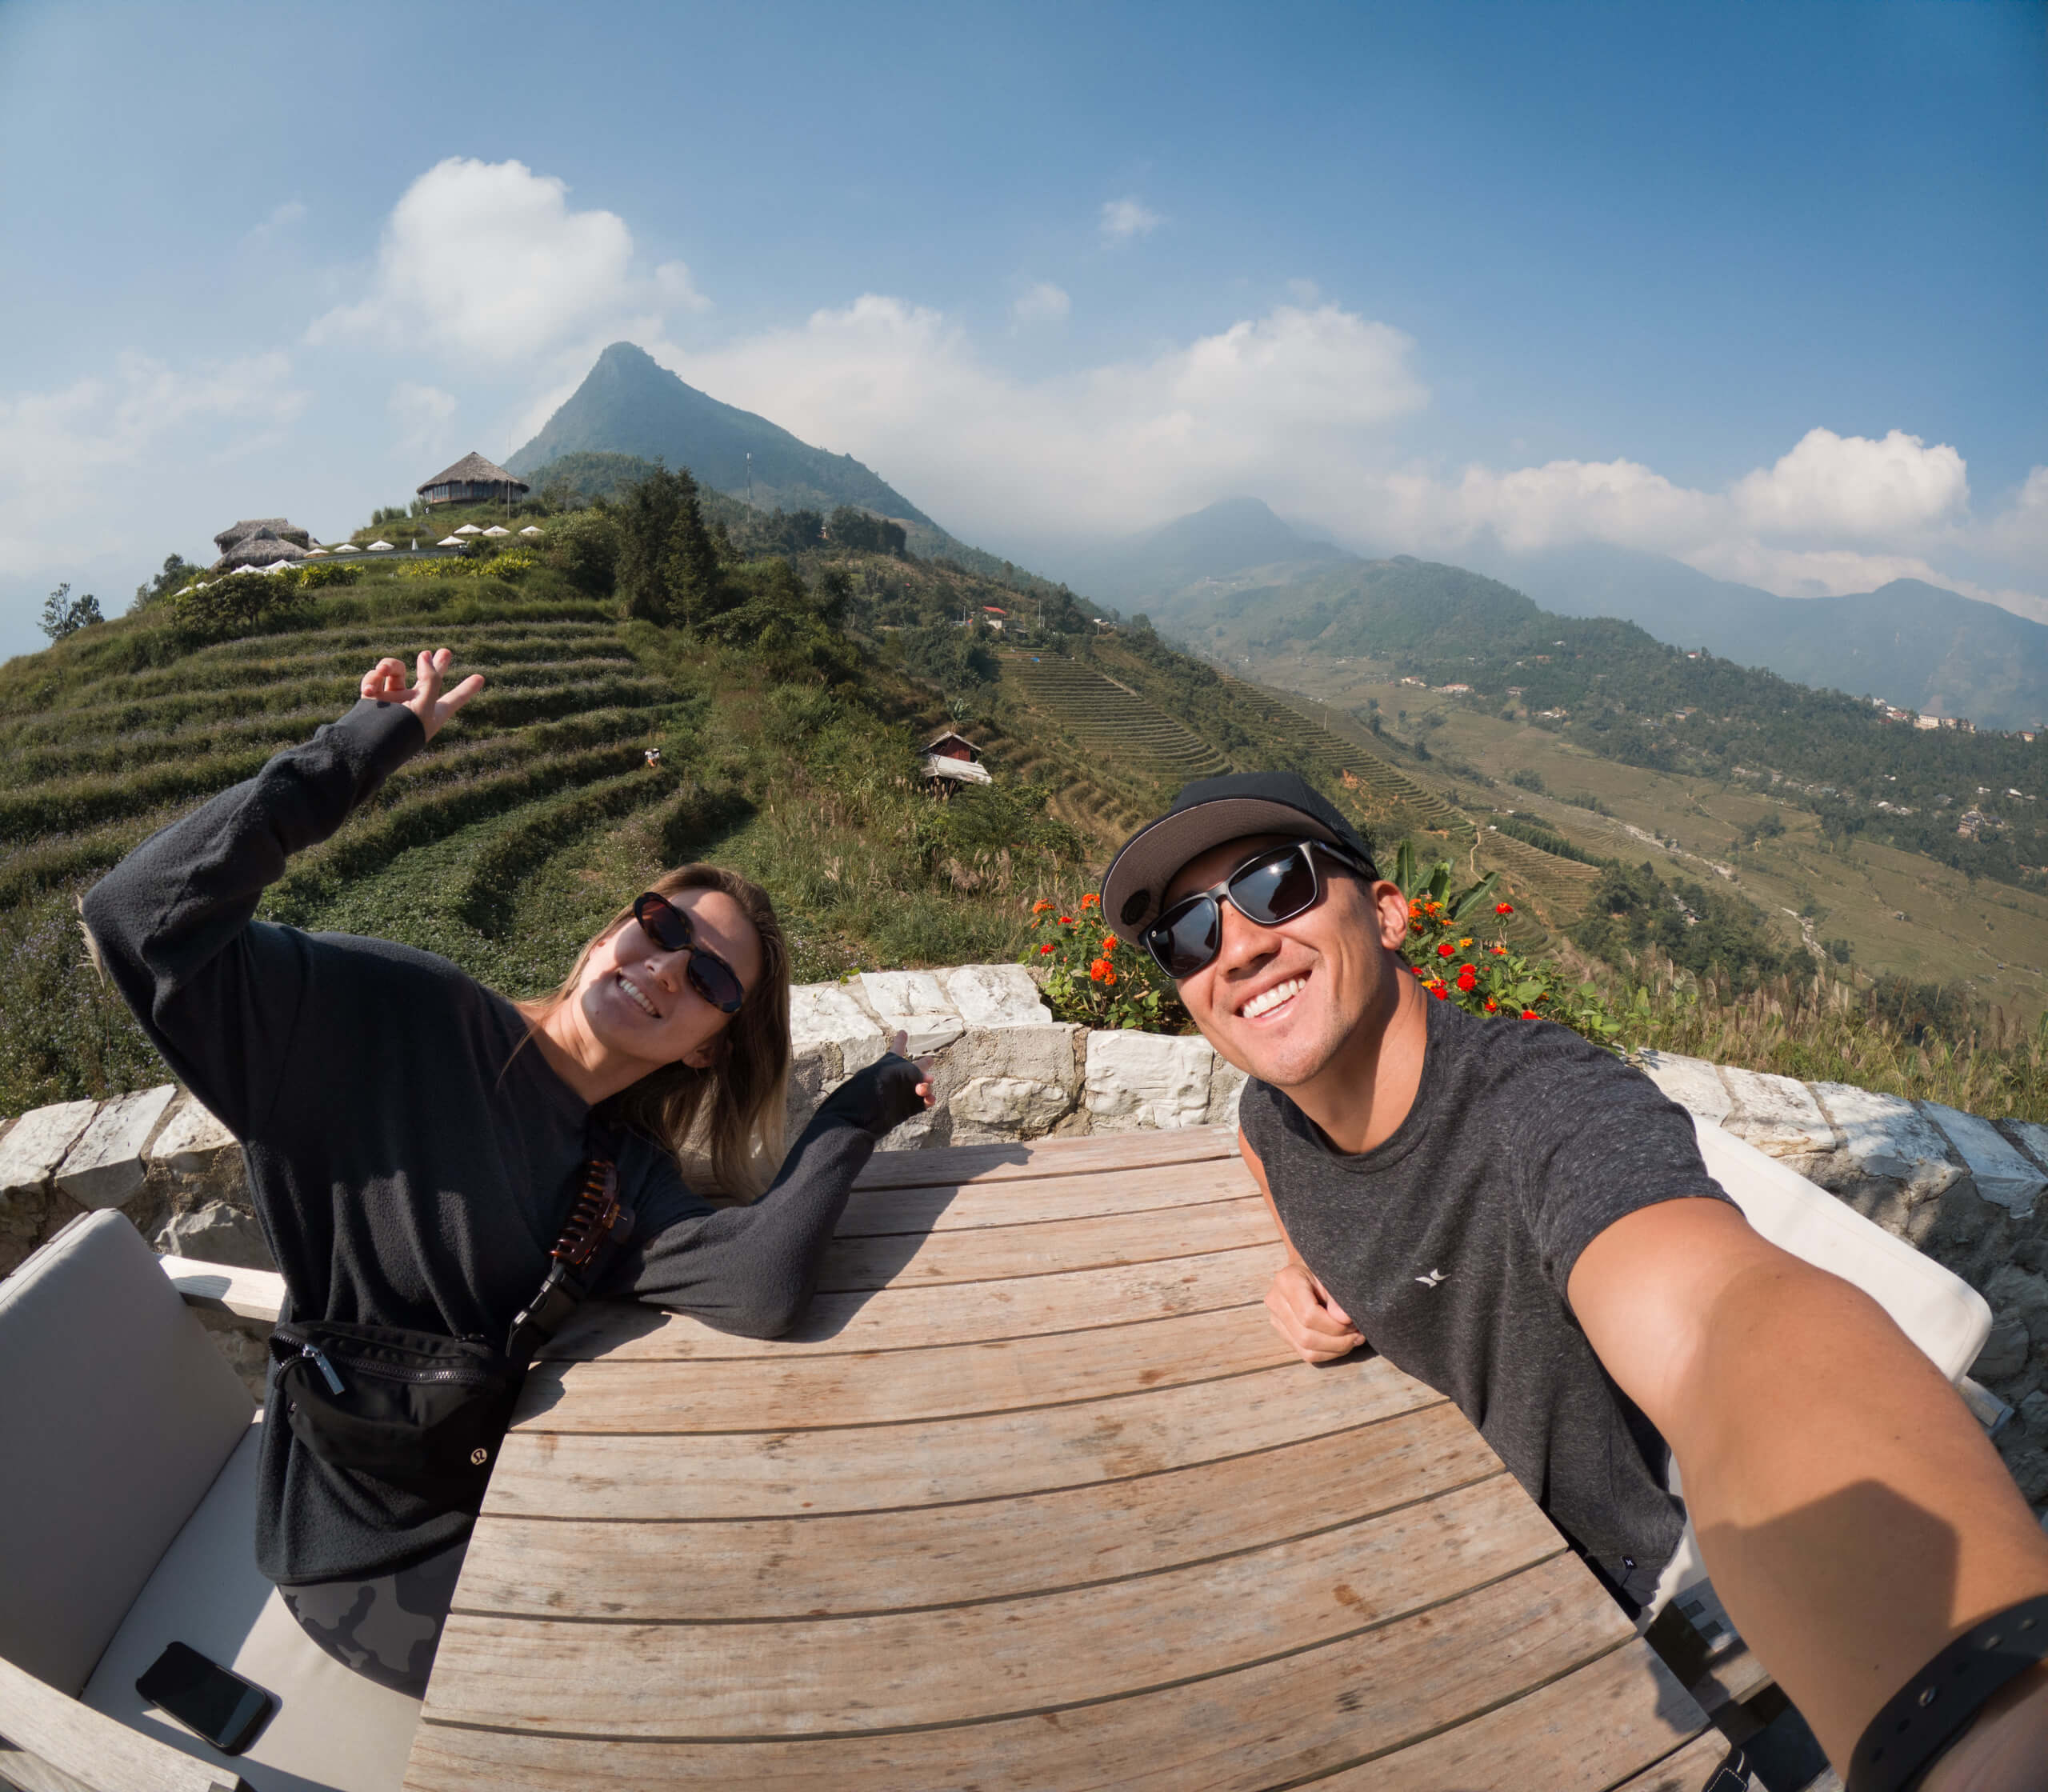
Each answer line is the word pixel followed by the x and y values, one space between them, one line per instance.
pixel 424 1413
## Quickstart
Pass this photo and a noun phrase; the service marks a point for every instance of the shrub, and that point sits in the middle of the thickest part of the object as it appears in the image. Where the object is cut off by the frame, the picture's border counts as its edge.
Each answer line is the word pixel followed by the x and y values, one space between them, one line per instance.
pixel 238 603
pixel 1092 977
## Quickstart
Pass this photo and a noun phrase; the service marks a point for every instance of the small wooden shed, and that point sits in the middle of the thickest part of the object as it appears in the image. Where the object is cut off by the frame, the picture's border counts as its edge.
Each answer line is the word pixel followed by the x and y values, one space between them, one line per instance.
pixel 951 759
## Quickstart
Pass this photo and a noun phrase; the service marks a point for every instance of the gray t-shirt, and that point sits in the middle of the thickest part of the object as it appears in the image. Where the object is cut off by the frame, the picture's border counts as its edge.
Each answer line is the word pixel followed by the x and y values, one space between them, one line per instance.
pixel 1450 1246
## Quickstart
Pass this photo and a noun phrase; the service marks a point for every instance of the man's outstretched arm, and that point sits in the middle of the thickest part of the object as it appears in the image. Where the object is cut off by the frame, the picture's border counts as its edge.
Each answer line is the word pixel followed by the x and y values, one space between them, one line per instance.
pixel 1854 1518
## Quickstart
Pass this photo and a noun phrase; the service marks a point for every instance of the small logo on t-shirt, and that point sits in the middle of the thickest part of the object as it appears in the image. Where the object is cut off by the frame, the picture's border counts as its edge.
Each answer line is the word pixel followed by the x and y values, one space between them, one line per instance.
pixel 1433 1278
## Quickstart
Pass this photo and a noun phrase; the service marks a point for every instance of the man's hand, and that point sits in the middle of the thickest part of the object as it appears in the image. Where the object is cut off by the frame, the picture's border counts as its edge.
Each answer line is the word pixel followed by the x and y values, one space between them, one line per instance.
pixel 1316 1328
pixel 385 682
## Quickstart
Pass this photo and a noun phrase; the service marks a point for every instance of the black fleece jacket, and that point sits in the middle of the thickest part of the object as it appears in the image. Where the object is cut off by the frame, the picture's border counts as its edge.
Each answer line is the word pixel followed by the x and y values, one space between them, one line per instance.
pixel 410 1166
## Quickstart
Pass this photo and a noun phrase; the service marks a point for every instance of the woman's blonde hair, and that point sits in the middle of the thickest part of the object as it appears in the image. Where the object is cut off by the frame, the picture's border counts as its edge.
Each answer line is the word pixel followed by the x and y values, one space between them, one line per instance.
pixel 734 1112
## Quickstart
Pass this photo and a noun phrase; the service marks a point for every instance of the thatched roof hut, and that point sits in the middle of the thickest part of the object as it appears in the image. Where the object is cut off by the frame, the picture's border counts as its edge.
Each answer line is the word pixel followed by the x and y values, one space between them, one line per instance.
pixel 471 479
pixel 260 548
pixel 283 528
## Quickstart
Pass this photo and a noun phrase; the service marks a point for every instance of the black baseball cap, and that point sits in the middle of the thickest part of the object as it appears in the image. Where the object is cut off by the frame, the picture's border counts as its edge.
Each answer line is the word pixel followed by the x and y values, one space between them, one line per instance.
pixel 1206 814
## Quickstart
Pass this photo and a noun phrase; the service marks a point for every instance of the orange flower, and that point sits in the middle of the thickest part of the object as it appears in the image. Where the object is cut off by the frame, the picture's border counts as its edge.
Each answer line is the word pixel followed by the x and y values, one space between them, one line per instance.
pixel 1108 977
pixel 1462 944
pixel 1109 944
pixel 1100 971
pixel 1498 950
pixel 1091 901
pixel 1041 907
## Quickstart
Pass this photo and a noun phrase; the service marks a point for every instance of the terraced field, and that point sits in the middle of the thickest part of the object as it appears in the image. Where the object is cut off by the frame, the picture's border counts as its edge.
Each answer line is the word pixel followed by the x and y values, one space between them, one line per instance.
pixel 1114 722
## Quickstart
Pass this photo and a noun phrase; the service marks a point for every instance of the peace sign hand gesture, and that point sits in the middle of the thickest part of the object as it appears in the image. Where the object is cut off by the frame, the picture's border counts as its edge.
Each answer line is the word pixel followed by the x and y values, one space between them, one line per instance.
pixel 385 682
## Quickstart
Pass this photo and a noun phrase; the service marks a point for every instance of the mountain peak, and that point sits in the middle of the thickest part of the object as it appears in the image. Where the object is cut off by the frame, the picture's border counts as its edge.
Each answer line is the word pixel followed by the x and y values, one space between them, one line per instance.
pixel 629 403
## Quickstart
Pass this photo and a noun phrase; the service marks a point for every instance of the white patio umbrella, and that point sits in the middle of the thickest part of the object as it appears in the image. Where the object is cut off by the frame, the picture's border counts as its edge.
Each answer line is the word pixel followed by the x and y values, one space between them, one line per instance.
pixel 311 551
pixel 278 567
pixel 380 547
pixel 529 530
pixel 348 547
pixel 451 540
pixel 495 530
pixel 469 528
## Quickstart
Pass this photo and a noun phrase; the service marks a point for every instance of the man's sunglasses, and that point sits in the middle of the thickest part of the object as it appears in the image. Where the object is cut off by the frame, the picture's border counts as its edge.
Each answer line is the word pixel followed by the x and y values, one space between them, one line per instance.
pixel 669 928
pixel 1270 887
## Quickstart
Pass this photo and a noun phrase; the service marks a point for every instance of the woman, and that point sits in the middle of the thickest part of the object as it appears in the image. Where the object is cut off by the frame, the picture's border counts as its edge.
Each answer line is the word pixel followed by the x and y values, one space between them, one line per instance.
pixel 415 1141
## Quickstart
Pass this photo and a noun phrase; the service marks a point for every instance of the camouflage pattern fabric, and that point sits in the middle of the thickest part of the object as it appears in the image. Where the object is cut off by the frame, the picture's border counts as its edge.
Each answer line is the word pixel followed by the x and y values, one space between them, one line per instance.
pixel 387 1629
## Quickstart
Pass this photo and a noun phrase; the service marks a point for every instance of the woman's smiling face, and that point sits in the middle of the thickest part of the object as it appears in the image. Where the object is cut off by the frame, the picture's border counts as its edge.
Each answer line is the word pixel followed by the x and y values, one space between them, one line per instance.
pixel 636 996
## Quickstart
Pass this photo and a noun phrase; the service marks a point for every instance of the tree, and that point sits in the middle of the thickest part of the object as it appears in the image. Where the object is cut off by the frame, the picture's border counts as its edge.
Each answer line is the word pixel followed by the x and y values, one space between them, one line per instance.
pixel 177 572
pixel 63 615
pixel 668 565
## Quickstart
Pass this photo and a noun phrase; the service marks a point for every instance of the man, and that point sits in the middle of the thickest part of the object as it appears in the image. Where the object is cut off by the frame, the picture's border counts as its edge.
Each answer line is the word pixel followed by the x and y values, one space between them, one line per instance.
pixel 1514 1216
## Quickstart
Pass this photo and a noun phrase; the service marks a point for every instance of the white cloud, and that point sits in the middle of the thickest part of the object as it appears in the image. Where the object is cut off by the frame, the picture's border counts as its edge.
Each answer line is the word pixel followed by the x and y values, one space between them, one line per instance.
pixel 487 259
pixel 1268 403
pixel 142 423
pixel 1833 485
pixel 421 414
pixel 1123 219
pixel 1043 303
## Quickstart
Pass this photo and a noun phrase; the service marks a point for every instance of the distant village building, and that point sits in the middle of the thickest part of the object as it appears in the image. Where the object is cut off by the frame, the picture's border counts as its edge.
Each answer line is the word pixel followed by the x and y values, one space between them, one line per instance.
pixel 260 542
pixel 473 480
pixel 950 760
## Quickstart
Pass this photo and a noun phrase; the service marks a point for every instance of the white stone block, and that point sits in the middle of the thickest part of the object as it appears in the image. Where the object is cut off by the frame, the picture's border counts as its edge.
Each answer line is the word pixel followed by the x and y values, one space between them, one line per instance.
pixel 1777 1115
pixel 2002 1174
pixel 105 1167
pixel 995 995
pixel 1693 1083
pixel 1887 1136
pixel 912 1000
pixel 217 1232
pixel 37 1143
pixel 2030 1134
pixel 191 1141
pixel 1138 1080
pixel 1227 1090
pixel 829 1015
pixel 990 1111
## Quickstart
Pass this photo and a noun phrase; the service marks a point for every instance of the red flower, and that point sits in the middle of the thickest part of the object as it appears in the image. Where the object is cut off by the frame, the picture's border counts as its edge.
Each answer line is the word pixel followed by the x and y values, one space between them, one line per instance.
pixel 1417 968
pixel 1447 950
pixel 1467 978
pixel 1529 1013
pixel 1493 1007
pixel 1066 920
pixel 1440 992
pixel 1503 908
pixel 1046 947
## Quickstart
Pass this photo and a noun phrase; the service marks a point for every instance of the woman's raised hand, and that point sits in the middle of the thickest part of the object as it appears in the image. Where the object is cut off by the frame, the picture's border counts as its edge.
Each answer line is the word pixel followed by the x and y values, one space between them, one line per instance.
pixel 900 1045
pixel 385 682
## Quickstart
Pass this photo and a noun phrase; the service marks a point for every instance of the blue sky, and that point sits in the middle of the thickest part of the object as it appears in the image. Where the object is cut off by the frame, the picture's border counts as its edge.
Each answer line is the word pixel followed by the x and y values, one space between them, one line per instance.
pixel 1761 287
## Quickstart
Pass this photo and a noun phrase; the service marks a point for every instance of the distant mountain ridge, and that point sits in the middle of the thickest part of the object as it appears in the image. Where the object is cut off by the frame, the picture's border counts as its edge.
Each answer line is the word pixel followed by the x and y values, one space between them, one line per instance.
pixel 630 404
pixel 1229 538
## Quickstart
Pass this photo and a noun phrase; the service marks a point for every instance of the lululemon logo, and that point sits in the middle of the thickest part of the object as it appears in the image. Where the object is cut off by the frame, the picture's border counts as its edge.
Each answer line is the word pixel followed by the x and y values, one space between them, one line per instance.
pixel 1432 1279
pixel 479 1456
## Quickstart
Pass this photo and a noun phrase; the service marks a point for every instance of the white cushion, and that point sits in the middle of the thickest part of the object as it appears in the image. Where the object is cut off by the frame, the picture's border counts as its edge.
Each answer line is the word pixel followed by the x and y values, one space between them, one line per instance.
pixel 332 1727
pixel 1934 1307
pixel 116 1413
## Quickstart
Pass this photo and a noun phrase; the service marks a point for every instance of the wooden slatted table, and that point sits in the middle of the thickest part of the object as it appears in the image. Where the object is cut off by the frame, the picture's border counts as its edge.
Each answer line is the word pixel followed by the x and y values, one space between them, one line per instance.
pixel 1034 1499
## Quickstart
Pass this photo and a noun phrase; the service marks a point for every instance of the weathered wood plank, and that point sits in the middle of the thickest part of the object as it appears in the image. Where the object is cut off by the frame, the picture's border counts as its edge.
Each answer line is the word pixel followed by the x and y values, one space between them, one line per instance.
pixel 1686 1771
pixel 802 1392
pixel 914 1318
pixel 1580 1734
pixel 956 1663
pixel 93 1750
pixel 1274 1724
pixel 952 1207
pixel 996 1253
pixel 960 1164
pixel 546 1474
pixel 785 1567
pixel 222 1288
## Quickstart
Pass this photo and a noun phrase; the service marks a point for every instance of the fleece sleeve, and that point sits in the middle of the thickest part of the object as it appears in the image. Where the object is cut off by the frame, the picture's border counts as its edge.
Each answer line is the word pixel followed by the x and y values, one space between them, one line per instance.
pixel 218 993
pixel 750 1269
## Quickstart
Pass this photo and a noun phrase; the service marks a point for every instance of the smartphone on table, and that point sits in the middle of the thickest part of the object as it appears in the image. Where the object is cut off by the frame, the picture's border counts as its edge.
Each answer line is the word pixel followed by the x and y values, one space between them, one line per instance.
pixel 220 1707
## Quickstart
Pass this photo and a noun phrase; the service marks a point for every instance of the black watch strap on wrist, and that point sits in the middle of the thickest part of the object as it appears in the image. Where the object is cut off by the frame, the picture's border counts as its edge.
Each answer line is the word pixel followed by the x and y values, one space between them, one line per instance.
pixel 1930 1711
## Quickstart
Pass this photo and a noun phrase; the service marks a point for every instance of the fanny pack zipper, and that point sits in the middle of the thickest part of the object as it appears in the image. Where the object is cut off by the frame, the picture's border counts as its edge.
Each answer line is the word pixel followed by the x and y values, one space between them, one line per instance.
pixel 324 1362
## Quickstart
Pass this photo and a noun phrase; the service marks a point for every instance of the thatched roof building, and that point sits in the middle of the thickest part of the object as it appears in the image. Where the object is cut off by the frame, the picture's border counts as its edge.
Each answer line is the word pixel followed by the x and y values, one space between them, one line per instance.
pixel 473 479
pixel 283 528
pixel 260 543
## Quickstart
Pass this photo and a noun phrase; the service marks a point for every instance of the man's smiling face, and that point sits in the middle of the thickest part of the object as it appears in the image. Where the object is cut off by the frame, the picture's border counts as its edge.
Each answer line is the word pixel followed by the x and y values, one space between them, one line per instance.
pixel 1281 1001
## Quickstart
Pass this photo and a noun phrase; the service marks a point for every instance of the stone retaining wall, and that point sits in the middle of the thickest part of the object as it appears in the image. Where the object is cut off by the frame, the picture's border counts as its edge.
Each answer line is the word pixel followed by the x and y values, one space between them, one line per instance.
pixel 1970 1192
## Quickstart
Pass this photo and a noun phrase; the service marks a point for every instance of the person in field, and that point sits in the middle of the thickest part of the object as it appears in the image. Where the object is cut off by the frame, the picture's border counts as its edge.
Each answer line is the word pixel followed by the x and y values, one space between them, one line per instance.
pixel 1516 1217
pixel 414 1140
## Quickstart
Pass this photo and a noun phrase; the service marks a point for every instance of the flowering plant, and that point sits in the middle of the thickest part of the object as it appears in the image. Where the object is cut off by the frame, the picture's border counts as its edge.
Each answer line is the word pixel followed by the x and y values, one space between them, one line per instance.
pixel 1093 978
pixel 1446 951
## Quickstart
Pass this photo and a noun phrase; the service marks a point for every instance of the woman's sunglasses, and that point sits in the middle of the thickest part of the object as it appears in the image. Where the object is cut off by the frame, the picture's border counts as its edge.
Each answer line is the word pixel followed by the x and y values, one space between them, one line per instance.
pixel 1268 887
pixel 669 928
